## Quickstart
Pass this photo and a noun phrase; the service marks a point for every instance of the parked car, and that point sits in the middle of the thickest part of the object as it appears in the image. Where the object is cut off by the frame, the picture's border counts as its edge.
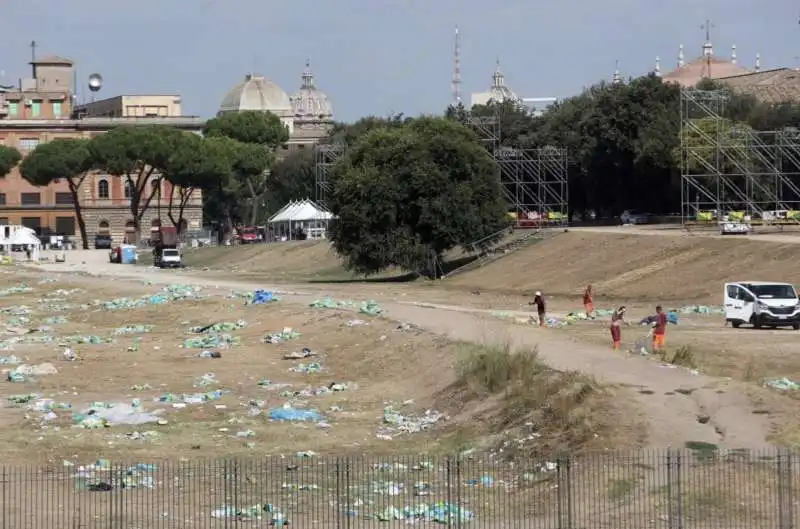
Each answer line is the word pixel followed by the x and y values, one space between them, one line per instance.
pixel 103 242
pixel 633 216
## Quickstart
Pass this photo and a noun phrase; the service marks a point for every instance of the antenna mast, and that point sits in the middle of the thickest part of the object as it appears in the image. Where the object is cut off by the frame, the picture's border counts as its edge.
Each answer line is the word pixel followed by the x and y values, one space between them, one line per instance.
pixel 457 70
pixel 708 50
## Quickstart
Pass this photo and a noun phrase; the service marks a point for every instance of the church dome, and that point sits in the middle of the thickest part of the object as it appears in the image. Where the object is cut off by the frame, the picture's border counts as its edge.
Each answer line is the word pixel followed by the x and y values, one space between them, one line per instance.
pixel 499 92
pixel 311 103
pixel 257 93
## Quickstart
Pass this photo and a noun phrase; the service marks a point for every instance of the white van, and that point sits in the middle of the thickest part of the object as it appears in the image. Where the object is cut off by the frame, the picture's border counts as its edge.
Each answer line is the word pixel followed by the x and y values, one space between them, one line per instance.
pixel 762 304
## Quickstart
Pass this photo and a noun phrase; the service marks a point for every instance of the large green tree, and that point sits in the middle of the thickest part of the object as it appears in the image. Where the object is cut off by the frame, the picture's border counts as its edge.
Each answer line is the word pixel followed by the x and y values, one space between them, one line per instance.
pixel 406 194
pixel 9 158
pixel 292 178
pixel 69 159
pixel 196 165
pixel 137 154
pixel 260 133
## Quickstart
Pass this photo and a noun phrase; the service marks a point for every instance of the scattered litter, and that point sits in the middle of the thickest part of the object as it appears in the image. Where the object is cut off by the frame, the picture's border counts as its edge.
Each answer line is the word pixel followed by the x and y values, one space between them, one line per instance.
pixel 225 326
pixel 209 354
pixel 255 512
pixel 397 422
pixel 208 379
pixel 295 355
pixel 355 323
pixel 371 308
pixel 9 360
pixel 307 368
pixel 19 289
pixel 210 341
pixel 440 512
pixel 261 297
pixel 133 329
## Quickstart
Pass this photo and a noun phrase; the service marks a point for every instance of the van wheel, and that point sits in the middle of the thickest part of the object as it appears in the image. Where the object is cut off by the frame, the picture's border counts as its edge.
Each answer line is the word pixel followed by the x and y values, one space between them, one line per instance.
pixel 756 322
pixel 796 326
pixel 736 324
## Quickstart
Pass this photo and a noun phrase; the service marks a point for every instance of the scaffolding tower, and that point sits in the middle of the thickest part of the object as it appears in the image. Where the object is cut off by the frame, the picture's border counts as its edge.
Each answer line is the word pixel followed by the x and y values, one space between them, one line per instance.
pixel 535 181
pixel 325 156
pixel 731 172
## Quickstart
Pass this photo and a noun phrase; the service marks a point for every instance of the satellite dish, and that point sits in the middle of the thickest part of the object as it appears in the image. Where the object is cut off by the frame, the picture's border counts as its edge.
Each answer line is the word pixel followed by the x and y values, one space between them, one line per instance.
pixel 95 82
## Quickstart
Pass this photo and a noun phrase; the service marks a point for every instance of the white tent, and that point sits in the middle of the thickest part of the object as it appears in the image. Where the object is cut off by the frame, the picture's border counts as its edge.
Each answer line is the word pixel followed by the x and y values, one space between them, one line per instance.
pixel 24 237
pixel 302 215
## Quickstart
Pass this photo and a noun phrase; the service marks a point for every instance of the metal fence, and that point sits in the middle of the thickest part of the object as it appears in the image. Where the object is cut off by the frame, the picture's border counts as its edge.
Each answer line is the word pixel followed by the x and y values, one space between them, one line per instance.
pixel 670 490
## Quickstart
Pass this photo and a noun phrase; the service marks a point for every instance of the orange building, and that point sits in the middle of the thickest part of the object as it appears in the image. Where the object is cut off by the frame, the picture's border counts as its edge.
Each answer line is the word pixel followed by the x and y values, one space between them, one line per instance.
pixel 41 109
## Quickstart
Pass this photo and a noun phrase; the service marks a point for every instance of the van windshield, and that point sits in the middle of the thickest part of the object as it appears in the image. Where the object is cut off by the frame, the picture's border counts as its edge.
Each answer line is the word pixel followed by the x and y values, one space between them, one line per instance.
pixel 170 253
pixel 772 291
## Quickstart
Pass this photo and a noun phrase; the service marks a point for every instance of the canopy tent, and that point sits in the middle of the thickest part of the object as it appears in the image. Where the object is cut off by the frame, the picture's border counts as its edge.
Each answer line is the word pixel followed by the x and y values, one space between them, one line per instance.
pixel 24 237
pixel 301 215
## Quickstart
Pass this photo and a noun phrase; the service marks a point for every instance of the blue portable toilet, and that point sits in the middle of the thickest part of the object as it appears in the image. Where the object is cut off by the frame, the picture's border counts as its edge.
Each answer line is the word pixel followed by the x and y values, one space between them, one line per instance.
pixel 128 254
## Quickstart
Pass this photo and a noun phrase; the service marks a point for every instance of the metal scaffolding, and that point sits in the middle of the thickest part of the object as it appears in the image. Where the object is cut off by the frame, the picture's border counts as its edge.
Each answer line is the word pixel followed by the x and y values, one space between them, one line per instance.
pixel 535 181
pixel 325 156
pixel 730 171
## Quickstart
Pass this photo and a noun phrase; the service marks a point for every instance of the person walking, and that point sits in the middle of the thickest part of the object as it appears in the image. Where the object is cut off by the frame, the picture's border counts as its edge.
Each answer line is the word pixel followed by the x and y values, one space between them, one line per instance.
pixel 616 327
pixel 541 307
pixel 588 303
pixel 659 330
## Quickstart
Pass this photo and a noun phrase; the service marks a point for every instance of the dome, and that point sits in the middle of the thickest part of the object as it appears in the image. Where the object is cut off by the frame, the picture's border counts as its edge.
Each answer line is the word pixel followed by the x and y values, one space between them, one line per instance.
pixel 499 92
pixel 257 93
pixel 310 103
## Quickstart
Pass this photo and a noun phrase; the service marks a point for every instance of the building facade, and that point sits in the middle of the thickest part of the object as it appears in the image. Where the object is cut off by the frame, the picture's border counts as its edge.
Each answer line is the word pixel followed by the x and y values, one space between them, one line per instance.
pixel 39 110
pixel 133 106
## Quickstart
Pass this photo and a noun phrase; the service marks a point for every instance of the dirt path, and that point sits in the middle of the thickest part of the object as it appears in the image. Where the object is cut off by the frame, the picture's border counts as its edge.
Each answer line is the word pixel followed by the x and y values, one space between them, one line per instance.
pixel 672 399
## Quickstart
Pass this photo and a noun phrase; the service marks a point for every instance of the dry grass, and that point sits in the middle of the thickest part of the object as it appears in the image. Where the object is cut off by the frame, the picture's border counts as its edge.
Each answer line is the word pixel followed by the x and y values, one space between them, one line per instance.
pixel 532 410
pixel 634 267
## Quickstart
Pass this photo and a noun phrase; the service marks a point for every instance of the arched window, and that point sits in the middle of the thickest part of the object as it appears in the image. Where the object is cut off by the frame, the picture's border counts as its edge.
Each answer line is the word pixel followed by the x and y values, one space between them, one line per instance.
pixel 155 223
pixel 102 189
pixel 103 227
pixel 130 226
pixel 155 183
pixel 128 189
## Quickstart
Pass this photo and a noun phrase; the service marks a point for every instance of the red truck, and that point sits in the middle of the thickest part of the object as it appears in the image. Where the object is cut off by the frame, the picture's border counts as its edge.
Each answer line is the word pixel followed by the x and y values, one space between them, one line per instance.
pixel 248 235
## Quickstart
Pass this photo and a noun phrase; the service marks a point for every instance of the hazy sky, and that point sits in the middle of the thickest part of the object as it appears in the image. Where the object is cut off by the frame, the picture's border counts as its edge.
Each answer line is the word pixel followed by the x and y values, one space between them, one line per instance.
pixel 382 56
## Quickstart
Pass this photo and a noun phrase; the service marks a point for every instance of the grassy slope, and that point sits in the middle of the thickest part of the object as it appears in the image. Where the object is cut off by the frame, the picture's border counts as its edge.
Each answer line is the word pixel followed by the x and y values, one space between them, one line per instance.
pixel 636 267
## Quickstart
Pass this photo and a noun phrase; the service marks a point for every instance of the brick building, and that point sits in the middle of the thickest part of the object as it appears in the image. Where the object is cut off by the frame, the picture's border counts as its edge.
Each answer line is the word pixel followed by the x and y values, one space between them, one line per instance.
pixel 40 109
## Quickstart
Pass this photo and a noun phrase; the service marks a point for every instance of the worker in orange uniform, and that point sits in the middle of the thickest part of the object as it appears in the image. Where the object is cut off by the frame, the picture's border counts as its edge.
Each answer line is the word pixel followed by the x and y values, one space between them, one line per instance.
pixel 659 330
pixel 588 304
pixel 616 326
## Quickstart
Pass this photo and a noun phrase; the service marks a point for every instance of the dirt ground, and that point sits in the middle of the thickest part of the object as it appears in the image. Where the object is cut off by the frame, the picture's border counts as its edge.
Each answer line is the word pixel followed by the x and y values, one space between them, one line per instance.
pixel 108 353
pixel 671 405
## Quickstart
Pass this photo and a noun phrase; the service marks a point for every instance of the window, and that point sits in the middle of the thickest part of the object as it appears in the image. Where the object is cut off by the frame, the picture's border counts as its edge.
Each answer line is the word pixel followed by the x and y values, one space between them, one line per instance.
pixel 13 108
pixel 36 108
pixel 733 291
pixel 28 144
pixel 128 189
pixel 30 199
pixel 103 227
pixel 56 109
pixel 64 199
pixel 65 225
pixel 102 189
pixel 776 291
pixel 34 223
pixel 2 199
pixel 155 184
pixel 3 221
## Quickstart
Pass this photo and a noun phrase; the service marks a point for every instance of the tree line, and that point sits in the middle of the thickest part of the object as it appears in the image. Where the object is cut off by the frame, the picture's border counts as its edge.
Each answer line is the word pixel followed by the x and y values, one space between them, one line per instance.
pixel 230 164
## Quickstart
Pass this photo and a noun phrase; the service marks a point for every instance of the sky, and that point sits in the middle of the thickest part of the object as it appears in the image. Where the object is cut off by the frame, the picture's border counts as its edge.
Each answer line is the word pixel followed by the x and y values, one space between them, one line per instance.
pixel 383 56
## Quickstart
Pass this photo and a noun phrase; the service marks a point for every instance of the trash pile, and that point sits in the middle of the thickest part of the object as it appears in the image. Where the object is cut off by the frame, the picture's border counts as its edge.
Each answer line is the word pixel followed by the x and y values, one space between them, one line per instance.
pixel 105 415
pixel 210 341
pixel 133 329
pixel 224 326
pixel 285 335
pixel 255 512
pixel 260 297
pixel 168 294
pixel 24 372
pixel 288 413
pixel 180 401
pixel 102 476
pixel 440 512
pixel 19 289
pixel 313 367
pixel 330 303
pixel 396 422
pixel 782 384
pixel 333 387
pixel 370 308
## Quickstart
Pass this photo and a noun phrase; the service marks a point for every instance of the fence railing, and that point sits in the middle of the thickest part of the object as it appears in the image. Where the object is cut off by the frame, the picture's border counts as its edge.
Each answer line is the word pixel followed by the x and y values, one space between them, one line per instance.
pixel 669 489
